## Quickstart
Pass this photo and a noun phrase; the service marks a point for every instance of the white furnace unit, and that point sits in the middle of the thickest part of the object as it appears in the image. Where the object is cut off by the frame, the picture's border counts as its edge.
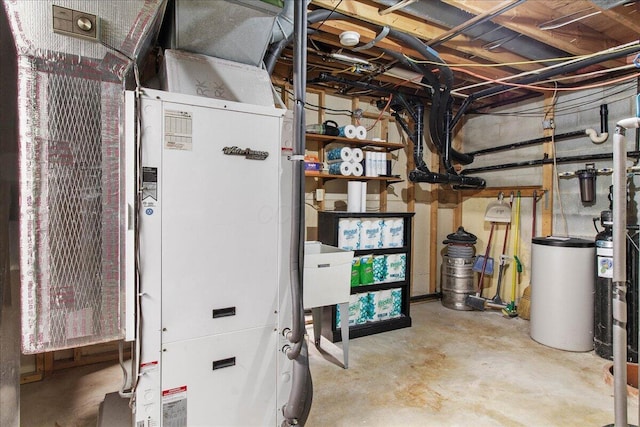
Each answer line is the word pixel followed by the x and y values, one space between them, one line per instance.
pixel 211 284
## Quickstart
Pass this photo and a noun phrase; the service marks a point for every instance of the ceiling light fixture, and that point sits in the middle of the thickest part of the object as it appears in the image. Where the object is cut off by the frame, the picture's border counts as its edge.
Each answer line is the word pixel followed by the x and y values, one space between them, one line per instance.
pixel 349 38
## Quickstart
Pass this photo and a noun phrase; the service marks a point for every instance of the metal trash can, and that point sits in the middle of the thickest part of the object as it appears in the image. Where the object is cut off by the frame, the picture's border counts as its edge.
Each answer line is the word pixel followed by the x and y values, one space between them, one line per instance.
pixel 562 292
pixel 456 274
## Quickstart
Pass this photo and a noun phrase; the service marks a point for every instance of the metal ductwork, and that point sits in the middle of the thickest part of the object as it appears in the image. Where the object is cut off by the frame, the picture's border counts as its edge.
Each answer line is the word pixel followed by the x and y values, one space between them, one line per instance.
pixel 71 159
pixel 237 30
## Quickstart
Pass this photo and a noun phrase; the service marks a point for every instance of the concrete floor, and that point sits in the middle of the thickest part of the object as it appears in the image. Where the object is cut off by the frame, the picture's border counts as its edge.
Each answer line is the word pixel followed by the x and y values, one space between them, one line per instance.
pixel 451 368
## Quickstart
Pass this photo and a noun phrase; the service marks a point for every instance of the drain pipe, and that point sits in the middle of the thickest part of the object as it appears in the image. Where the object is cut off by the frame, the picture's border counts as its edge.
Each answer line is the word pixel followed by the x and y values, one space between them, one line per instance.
pixel 604 127
pixel 298 405
pixel 619 303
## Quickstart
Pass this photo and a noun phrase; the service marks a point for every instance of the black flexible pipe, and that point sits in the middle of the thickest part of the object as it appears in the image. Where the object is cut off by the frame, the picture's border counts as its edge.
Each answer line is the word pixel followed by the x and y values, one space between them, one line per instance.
pixel 604 156
pixel 440 97
pixel 448 137
pixel 604 119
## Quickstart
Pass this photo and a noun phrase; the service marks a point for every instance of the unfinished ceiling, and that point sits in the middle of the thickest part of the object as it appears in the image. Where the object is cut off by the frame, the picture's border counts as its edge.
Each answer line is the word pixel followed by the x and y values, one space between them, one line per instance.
pixel 499 51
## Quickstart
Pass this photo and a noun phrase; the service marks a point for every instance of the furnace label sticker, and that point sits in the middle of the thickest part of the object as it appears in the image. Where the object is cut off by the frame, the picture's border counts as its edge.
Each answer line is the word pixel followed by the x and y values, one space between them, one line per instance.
pixel 178 130
pixel 174 406
pixel 149 187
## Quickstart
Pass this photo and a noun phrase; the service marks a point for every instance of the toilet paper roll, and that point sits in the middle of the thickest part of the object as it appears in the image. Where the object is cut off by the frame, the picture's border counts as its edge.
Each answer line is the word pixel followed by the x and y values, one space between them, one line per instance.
pixel 357 169
pixel 348 131
pixel 343 168
pixel 363 200
pixel 361 132
pixel 357 155
pixel 340 153
pixel 354 196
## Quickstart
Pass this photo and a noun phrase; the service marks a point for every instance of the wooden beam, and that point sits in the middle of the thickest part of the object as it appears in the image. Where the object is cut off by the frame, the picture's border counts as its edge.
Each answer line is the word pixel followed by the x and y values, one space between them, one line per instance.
pixel 493 192
pixel 525 19
pixel 420 28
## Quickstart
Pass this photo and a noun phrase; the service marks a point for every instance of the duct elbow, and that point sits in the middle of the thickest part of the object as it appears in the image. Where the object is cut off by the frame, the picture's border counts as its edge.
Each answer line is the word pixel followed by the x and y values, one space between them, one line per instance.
pixel 593 135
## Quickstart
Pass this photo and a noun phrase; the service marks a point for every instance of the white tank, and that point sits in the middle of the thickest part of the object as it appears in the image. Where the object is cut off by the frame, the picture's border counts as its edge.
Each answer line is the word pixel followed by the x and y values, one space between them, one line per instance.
pixel 562 292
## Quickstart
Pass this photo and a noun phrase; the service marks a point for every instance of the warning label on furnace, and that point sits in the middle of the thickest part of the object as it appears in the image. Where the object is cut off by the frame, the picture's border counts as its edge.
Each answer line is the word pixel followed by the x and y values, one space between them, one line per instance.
pixel 174 407
pixel 178 130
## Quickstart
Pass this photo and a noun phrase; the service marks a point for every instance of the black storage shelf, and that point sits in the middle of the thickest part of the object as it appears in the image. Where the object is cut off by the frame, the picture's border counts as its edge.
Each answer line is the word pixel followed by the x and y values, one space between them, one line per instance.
pixel 328 234
pixel 357 331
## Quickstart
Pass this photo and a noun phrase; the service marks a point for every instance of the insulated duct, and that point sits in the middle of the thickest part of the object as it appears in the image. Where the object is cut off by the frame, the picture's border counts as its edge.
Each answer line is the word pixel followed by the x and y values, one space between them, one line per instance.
pixel 237 30
pixel 71 159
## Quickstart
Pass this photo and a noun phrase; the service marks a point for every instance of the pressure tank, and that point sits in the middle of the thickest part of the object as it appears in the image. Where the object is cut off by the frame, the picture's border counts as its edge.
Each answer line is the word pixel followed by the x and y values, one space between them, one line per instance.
pixel 603 315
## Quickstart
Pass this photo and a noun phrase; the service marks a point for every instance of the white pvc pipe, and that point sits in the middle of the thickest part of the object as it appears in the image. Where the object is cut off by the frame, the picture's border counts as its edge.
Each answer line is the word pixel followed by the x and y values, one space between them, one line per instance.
pixel 619 304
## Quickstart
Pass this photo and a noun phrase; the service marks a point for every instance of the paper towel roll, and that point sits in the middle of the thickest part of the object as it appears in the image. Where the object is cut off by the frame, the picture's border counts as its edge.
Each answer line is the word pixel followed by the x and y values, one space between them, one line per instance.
pixel 361 132
pixel 348 131
pixel 381 163
pixel 357 169
pixel 354 196
pixel 343 168
pixel 363 200
pixel 340 153
pixel 357 155
pixel 369 169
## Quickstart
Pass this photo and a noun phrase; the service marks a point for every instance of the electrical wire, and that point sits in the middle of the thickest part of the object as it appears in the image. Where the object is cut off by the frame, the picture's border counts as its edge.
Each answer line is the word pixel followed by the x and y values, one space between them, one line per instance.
pixel 556 181
pixel 329 15
pixel 381 113
pixel 534 87
pixel 570 104
pixel 508 64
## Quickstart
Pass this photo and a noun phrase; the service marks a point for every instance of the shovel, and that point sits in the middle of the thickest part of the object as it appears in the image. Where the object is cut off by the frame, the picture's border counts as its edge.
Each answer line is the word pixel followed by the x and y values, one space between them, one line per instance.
pixel 497 211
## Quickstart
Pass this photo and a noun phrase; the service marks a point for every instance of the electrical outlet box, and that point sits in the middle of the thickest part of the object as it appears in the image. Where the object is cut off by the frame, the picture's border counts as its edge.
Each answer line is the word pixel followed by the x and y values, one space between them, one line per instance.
pixel 548 124
pixel 319 195
pixel 75 23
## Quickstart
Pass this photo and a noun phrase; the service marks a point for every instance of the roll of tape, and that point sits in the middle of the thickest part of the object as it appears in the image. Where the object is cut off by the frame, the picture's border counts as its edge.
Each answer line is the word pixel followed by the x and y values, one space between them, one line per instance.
pixel 361 132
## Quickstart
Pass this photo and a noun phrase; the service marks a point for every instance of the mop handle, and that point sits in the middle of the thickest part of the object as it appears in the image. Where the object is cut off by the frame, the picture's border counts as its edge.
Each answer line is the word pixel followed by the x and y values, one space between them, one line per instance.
pixel 516 237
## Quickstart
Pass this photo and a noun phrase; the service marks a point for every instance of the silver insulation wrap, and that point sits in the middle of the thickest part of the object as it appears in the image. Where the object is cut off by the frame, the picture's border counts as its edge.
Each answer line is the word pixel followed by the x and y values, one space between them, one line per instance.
pixel 71 157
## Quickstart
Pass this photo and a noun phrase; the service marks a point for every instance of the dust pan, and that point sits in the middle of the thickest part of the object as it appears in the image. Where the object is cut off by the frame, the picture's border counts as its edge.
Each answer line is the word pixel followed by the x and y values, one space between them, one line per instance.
pixel 498 211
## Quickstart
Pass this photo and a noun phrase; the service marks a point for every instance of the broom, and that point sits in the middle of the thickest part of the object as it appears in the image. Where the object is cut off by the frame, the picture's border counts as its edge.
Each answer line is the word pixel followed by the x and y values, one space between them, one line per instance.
pixel 524 306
